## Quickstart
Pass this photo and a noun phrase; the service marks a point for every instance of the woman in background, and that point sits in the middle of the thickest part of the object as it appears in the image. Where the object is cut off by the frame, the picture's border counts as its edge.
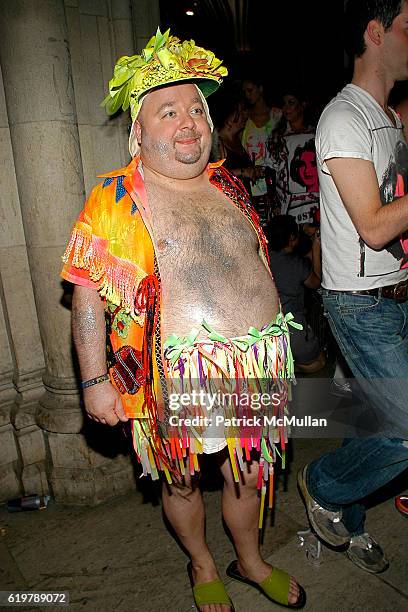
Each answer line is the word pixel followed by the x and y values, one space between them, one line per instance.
pixel 230 117
pixel 292 156
pixel 262 120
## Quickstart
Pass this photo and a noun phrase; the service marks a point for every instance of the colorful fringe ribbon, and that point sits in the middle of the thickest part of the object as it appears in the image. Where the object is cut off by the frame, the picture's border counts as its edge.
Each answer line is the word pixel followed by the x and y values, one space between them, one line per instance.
pixel 259 361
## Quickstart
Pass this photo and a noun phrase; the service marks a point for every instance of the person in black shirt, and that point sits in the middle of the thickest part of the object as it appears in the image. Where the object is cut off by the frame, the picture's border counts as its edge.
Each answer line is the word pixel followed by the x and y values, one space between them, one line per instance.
pixel 292 273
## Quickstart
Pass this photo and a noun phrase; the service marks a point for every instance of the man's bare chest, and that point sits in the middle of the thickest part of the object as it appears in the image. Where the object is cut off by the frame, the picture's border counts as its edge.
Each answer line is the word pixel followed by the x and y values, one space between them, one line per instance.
pixel 199 223
pixel 208 257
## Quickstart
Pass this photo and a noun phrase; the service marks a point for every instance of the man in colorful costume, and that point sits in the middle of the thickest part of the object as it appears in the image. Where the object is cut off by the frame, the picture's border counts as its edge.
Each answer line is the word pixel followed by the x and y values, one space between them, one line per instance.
pixel 153 254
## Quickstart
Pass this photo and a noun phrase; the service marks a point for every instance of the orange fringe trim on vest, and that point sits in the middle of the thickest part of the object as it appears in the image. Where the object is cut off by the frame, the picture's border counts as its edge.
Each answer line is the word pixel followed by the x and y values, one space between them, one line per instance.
pixel 119 278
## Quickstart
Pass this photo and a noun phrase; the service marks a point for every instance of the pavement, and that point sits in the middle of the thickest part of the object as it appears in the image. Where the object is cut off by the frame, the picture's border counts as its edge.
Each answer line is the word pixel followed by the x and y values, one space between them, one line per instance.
pixel 119 556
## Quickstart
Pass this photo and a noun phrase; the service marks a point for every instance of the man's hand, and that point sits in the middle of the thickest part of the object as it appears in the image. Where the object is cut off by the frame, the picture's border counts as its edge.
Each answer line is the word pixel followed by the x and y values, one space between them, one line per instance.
pixel 102 401
pixel 252 172
pixel 103 404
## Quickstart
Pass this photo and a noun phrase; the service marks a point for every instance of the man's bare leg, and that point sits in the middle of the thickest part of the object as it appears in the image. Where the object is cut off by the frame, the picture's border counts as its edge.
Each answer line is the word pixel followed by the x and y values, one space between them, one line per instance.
pixel 184 508
pixel 241 514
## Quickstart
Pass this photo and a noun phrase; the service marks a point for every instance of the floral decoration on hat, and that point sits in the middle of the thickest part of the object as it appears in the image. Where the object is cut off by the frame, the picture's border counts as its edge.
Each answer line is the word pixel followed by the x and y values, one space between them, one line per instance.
pixel 165 60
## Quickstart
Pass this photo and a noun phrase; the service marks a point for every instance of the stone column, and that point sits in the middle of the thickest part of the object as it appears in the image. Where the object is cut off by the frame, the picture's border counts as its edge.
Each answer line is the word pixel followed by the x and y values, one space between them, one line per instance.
pixel 146 19
pixel 10 484
pixel 16 279
pixel 56 139
pixel 123 44
pixel 40 103
pixel 99 31
pixel 22 451
pixel 44 135
pixel 7 389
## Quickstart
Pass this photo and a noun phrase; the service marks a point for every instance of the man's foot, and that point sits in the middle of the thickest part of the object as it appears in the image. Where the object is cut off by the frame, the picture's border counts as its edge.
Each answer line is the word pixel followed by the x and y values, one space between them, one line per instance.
pixel 208 590
pixel 272 582
pixel 367 554
pixel 401 504
pixel 341 388
pixel 313 367
pixel 326 524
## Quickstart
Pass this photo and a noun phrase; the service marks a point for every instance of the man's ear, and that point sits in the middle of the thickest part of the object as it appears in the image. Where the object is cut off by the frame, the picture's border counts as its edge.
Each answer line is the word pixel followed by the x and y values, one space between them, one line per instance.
pixel 138 131
pixel 374 33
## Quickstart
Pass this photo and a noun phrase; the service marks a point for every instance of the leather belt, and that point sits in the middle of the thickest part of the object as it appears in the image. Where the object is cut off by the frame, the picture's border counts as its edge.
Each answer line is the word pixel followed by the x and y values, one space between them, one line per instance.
pixel 398 292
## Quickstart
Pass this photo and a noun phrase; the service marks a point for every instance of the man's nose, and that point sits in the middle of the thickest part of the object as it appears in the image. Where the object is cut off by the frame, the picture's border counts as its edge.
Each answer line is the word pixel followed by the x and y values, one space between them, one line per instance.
pixel 186 121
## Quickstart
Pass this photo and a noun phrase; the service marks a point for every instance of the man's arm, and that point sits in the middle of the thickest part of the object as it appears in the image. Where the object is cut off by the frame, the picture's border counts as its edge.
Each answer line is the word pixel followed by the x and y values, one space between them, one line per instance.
pixel 357 184
pixel 314 279
pixel 102 401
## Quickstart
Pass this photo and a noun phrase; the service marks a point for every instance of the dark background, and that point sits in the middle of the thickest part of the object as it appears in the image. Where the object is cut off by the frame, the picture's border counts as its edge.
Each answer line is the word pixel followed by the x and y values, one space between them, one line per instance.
pixel 289 43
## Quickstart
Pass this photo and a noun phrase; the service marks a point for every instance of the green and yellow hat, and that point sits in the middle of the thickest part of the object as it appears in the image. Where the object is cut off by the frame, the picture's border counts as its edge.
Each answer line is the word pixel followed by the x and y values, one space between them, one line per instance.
pixel 165 60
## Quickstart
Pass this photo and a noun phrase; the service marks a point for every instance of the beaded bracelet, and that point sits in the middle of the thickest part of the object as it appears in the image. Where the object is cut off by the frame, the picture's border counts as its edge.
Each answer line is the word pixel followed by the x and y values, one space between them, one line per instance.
pixel 94 381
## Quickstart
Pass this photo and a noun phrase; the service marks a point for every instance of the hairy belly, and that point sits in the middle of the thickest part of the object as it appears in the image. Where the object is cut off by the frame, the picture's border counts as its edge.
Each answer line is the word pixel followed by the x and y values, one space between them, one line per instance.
pixel 210 268
pixel 231 301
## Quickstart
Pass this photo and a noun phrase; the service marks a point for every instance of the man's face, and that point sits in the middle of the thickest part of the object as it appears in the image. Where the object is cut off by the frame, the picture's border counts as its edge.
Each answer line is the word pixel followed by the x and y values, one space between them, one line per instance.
pixel 396 45
pixel 173 132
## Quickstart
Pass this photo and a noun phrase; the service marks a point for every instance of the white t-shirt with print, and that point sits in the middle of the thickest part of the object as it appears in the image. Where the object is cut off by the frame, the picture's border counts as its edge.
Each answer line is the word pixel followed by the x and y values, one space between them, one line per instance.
pixel 354 125
pixel 296 194
pixel 254 141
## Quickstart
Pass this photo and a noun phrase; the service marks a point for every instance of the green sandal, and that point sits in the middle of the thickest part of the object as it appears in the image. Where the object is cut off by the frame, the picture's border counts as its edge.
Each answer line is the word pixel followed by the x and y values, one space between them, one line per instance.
pixel 209 593
pixel 275 586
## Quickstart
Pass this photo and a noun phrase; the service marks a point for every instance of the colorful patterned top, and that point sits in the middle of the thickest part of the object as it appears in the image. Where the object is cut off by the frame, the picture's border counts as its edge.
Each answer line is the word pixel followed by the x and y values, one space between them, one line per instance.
pixel 112 250
pixel 254 141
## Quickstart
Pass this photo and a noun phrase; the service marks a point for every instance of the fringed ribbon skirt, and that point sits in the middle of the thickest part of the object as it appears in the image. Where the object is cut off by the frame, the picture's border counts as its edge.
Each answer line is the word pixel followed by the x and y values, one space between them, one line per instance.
pixel 223 392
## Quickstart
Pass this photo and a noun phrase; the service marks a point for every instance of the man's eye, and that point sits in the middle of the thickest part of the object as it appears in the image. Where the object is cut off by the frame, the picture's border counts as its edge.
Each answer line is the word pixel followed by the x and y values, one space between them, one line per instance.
pixel 169 114
pixel 197 111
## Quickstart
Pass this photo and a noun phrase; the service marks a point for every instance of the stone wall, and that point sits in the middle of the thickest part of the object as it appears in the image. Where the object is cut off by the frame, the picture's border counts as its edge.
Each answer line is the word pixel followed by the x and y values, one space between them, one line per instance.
pixel 56 60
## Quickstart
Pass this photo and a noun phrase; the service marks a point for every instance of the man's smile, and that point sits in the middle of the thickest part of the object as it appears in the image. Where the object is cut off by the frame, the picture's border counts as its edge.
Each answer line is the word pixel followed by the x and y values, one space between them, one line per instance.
pixel 187 141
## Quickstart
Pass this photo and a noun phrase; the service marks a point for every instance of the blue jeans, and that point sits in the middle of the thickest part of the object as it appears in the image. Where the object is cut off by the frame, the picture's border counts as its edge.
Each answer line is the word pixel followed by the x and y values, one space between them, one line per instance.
pixel 372 334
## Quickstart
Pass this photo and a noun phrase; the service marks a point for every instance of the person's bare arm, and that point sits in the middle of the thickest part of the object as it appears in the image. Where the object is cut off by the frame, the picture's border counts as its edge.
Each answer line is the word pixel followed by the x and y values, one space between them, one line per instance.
pixel 250 172
pixel 357 184
pixel 102 401
pixel 314 279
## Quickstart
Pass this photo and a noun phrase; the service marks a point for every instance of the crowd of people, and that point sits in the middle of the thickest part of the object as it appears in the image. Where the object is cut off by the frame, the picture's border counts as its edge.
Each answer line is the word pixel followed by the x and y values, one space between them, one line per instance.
pixel 271 150
pixel 275 147
pixel 171 269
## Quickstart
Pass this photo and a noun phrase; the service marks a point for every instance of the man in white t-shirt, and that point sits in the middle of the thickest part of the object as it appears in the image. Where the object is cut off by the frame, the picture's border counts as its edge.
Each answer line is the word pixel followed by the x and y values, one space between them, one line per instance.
pixel 363 174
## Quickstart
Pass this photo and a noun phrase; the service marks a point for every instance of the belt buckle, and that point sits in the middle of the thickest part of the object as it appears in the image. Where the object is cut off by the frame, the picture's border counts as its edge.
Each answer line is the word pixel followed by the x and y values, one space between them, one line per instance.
pixel 403 297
